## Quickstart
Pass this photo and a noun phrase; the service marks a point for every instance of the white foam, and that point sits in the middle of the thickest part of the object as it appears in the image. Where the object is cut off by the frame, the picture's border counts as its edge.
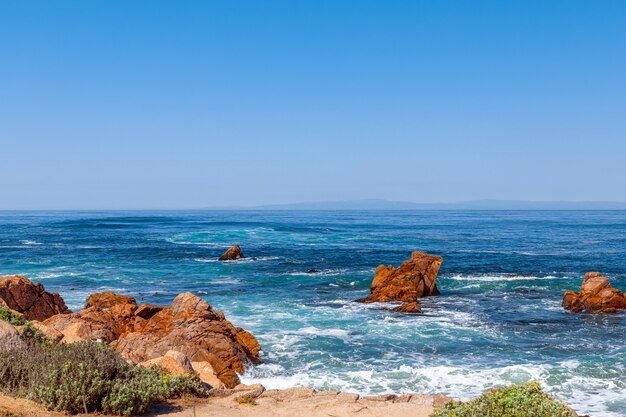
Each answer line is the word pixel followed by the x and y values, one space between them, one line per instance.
pixel 30 242
pixel 314 331
pixel 460 383
pixel 496 278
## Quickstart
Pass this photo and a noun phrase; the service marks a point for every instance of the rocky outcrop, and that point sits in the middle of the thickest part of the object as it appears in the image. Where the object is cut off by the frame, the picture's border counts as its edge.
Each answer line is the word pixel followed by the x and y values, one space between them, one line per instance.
pixel 173 363
pixel 596 296
pixel 31 300
pixel 10 338
pixel 207 374
pixel 233 253
pixel 192 327
pixel 409 308
pixel 143 333
pixel 108 299
pixel 415 278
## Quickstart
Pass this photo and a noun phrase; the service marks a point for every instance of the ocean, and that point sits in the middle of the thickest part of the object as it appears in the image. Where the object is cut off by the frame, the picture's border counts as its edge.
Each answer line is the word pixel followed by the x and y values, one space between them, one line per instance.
pixel 498 321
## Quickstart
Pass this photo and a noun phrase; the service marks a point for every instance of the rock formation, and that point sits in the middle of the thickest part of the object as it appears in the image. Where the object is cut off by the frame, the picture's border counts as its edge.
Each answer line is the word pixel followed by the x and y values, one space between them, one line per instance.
pixel 410 308
pixel 31 300
pixel 596 296
pixel 108 299
pixel 413 279
pixel 10 338
pixel 173 363
pixel 234 252
pixel 143 333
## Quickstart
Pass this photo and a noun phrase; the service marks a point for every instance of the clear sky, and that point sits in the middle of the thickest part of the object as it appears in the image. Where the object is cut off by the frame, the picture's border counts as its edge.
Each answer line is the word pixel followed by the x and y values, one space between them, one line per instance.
pixel 187 104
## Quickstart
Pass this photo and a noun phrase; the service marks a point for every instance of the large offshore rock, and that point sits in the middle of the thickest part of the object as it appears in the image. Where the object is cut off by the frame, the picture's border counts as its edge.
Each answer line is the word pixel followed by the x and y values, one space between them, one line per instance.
pixel 415 278
pixel 596 296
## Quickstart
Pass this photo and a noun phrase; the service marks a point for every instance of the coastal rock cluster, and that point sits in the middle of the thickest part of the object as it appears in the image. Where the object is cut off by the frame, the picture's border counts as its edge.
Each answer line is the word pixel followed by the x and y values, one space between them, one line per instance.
pixel 30 300
pixel 596 296
pixel 146 332
pixel 414 278
pixel 187 331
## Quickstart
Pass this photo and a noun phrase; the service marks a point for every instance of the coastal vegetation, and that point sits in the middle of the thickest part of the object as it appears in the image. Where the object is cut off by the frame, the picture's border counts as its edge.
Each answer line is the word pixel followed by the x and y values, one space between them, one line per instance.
pixel 525 400
pixel 10 316
pixel 89 377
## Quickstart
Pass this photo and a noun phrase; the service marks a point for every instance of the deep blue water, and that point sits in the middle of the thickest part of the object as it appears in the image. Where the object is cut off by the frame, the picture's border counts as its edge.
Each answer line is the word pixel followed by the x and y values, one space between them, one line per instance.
pixel 498 320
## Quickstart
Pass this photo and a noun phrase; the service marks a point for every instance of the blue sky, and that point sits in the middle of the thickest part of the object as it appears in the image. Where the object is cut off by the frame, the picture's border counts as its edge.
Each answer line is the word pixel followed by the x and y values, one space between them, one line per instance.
pixel 153 104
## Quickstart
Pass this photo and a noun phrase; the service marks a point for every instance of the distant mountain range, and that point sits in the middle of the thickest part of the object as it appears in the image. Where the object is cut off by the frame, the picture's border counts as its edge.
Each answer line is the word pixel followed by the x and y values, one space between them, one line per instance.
pixel 379 204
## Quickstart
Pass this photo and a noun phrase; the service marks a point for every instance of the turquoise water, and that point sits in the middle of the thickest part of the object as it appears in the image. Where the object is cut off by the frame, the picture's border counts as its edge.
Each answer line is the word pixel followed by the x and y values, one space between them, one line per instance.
pixel 498 320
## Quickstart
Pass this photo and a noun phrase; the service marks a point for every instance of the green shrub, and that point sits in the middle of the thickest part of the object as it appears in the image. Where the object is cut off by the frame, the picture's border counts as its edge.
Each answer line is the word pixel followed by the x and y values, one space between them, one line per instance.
pixel 11 316
pixel 86 377
pixel 525 400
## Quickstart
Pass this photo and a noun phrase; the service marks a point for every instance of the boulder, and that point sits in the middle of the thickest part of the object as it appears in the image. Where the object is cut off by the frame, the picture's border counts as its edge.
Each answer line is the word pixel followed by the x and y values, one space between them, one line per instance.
pixel 93 323
pixel 596 296
pixel 10 338
pixel 207 374
pixel 173 363
pixel 31 300
pixel 415 278
pixel 189 326
pixel 108 299
pixel 410 308
pixel 145 311
pixel 234 252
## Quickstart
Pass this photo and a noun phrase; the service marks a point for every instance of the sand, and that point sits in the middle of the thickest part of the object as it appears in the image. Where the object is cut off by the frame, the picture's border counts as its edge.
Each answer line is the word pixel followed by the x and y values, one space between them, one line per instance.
pixel 255 402
pixel 303 402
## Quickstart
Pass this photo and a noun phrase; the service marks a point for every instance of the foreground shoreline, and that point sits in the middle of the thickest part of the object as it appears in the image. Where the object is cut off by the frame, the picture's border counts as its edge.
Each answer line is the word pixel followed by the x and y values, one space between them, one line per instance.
pixel 254 401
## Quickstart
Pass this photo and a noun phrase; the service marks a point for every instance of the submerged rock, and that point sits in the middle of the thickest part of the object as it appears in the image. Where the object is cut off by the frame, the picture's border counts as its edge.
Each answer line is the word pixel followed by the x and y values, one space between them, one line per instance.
pixel 596 296
pixel 189 326
pixel 413 279
pixel 234 252
pixel 31 300
pixel 410 308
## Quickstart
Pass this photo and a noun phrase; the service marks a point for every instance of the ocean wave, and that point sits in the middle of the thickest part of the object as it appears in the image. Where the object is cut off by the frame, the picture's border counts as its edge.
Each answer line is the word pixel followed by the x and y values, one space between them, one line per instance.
pixel 498 277
pixel 30 242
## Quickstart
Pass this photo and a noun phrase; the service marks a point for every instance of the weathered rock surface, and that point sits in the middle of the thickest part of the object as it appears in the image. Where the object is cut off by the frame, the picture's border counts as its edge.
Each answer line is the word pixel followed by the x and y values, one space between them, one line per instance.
pixel 415 278
pixel 596 296
pixel 142 333
pixel 410 308
pixel 10 338
pixel 20 294
pixel 234 252
pixel 108 299
pixel 207 374
pixel 173 362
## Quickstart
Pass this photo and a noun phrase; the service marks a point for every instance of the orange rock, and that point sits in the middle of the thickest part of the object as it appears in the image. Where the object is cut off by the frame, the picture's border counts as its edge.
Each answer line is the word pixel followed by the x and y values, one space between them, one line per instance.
pixel 234 252
pixel 108 299
pixel 413 279
pixel 207 374
pixel 31 300
pixel 596 296
pixel 409 308
pixel 192 327
pixel 173 363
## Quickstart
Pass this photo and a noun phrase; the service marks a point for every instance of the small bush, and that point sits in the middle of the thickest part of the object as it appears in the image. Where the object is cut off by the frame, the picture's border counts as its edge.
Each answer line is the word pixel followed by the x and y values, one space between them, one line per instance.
pixel 246 399
pixel 11 316
pixel 526 400
pixel 88 377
